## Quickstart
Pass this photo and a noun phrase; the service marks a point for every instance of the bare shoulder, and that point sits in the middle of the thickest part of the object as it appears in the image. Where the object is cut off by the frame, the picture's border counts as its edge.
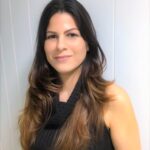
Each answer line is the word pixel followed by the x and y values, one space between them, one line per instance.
pixel 120 99
pixel 119 107
pixel 120 118
pixel 117 91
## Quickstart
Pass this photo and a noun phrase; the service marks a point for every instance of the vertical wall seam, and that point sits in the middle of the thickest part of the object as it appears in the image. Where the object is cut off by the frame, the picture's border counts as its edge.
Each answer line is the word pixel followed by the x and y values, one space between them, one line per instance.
pixel 5 89
pixel 15 61
pixel 13 43
pixel 29 22
pixel 149 62
pixel 114 40
pixel 1 148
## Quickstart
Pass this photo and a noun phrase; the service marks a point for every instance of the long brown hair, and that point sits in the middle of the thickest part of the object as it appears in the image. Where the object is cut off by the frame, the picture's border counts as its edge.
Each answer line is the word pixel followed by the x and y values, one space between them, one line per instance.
pixel 44 82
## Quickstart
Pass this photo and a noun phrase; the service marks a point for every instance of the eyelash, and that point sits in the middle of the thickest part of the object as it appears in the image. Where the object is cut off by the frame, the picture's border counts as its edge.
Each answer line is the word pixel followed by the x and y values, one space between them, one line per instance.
pixel 68 35
pixel 51 36
pixel 72 35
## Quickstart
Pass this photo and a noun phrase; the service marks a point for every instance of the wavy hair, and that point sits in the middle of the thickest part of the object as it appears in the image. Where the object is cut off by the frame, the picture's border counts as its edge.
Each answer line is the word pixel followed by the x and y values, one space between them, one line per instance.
pixel 44 82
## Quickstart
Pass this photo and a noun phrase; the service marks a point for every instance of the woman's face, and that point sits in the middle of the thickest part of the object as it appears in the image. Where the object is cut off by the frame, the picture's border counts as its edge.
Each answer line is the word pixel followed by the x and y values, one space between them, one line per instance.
pixel 64 46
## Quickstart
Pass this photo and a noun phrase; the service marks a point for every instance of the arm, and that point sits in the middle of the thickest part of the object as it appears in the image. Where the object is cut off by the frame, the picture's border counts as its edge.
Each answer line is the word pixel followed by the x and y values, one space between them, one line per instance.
pixel 119 117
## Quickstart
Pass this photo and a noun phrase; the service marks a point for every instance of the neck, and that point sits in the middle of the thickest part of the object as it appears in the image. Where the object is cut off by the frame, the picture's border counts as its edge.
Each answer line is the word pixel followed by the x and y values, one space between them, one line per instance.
pixel 69 81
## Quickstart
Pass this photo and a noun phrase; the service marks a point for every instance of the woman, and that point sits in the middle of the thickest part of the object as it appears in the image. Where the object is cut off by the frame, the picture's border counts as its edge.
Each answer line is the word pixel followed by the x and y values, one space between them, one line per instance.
pixel 69 106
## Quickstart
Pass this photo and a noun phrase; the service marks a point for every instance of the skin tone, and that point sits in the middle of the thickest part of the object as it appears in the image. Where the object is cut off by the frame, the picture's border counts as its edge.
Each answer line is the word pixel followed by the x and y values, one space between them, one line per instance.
pixel 120 119
pixel 65 51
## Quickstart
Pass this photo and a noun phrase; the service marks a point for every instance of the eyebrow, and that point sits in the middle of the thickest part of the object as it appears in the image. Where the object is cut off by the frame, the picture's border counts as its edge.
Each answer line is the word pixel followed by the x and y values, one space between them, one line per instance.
pixel 64 32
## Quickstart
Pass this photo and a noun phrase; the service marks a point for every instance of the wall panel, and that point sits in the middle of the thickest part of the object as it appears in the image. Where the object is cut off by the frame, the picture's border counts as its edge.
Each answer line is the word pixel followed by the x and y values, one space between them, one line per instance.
pixel 132 53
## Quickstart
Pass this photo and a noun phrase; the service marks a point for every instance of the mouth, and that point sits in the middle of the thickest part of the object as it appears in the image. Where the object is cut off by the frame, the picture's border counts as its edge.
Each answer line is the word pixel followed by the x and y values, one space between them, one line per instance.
pixel 62 58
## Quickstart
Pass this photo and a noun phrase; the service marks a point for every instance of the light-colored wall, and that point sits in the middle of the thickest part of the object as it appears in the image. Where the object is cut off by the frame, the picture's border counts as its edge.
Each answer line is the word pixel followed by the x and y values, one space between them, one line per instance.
pixel 123 31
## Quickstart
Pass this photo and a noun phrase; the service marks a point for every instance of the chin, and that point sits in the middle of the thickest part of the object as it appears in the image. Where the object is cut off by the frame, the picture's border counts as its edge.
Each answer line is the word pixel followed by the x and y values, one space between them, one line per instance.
pixel 66 70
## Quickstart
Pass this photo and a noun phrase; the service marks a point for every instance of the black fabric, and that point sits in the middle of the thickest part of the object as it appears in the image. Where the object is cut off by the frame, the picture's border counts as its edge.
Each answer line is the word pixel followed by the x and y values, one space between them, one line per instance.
pixel 61 111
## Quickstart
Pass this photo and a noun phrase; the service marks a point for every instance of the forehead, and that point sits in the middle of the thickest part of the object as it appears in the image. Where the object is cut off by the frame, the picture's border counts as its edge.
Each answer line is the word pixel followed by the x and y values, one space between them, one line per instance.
pixel 62 20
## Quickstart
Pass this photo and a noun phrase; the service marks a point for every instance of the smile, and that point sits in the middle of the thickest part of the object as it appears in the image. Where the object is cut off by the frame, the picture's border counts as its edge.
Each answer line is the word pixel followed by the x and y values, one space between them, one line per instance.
pixel 62 58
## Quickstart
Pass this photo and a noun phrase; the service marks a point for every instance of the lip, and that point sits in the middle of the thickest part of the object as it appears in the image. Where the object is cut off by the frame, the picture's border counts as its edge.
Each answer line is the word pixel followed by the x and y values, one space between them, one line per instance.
pixel 62 58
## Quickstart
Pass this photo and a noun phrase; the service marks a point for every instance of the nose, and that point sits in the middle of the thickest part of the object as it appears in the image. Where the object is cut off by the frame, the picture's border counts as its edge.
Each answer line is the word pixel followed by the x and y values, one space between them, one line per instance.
pixel 61 45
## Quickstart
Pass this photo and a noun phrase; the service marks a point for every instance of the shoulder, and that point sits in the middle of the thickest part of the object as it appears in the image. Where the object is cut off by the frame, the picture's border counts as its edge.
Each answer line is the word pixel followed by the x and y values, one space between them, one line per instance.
pixel 120 118
pixel 120 103
pixel 117 92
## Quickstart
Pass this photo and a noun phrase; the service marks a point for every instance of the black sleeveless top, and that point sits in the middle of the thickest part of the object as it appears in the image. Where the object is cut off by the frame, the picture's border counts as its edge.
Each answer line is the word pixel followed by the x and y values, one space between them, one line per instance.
pixel 60 112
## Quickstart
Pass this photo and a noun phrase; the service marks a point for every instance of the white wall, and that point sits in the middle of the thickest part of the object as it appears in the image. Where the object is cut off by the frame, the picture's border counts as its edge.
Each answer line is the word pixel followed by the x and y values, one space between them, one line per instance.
pixel 132 63
pixel 123 31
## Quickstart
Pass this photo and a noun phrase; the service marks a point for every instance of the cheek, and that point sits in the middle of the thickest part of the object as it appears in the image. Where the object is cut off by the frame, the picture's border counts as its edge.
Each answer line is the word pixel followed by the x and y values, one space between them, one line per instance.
pixel 48 52
pixel 83 48
pixel 46 48
pixel 80 46
pixel 49 46
pixel 81 53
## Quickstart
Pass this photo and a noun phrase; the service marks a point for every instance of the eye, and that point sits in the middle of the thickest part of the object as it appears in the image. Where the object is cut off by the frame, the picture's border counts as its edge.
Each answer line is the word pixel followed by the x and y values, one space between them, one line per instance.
pixel 52 36
pixel 72 35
